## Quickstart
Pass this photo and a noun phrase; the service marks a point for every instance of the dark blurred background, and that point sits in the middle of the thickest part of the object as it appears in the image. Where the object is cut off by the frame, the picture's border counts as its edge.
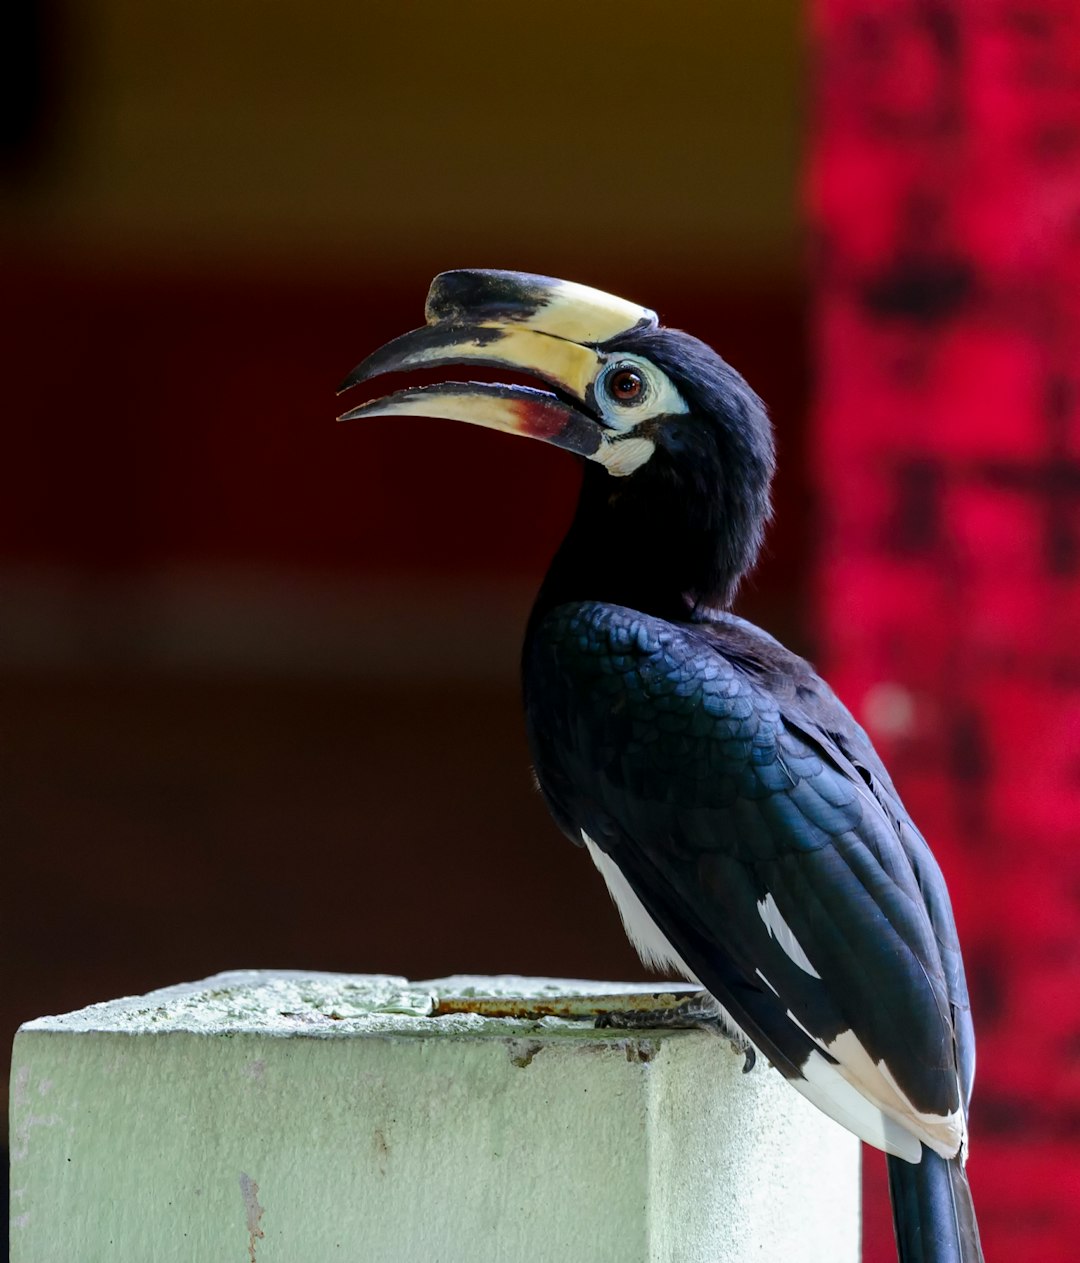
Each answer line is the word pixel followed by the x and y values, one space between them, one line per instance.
pixel 257 670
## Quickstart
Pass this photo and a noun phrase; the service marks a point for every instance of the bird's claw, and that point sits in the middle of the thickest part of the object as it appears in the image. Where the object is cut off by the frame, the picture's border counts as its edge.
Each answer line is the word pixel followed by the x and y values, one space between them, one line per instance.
pixel 697 1012
pixel 748 1051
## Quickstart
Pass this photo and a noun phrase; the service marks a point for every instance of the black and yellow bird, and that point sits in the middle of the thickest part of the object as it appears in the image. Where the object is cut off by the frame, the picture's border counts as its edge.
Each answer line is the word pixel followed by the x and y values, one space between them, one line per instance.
pixel 745 827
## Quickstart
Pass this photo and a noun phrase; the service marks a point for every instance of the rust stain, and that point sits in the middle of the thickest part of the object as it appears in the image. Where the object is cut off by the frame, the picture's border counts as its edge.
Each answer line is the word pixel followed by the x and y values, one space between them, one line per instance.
pixel 249 1191
pixel 574 1008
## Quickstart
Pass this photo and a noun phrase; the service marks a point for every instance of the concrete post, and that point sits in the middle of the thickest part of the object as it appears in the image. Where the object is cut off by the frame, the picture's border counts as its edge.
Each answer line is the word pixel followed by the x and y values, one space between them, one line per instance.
pixel 273 1117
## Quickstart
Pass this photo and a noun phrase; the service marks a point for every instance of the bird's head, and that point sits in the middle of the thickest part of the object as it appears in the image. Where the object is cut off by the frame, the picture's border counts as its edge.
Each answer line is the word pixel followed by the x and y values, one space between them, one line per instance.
pixel 680 447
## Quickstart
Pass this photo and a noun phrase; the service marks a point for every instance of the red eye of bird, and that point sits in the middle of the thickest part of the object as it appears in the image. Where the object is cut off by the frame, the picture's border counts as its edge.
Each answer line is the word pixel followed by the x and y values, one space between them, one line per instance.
pixel 625 385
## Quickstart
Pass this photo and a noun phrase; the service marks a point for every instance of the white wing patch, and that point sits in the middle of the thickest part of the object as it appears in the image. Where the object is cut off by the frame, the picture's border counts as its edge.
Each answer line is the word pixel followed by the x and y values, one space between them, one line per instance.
pixel 946 1134
pixel 825 1087
pixel 769 985
pixel 649 940
pixel 782 932
pixel 863 1096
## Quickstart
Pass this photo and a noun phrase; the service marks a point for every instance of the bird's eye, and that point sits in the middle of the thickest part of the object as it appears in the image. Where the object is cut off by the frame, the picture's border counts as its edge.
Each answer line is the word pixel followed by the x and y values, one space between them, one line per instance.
pixel 625 385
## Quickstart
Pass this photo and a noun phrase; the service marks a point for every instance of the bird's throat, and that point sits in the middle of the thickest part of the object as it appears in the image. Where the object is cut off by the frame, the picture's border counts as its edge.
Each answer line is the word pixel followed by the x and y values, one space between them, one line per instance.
pixel 644 551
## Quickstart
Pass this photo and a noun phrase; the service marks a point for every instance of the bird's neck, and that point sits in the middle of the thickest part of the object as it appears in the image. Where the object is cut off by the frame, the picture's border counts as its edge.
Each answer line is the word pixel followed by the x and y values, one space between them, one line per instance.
pixel 653 549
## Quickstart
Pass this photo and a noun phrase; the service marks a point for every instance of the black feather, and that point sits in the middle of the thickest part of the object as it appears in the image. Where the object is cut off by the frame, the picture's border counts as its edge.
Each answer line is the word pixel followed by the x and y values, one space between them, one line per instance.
pixel 933 1214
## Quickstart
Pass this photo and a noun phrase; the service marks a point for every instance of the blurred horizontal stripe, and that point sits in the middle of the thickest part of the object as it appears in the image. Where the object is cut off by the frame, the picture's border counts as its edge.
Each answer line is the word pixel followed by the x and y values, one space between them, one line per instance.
pixel 243 623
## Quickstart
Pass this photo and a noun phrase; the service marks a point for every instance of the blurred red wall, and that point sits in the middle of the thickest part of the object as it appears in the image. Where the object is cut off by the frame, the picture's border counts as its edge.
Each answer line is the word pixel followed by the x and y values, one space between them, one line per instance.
pixel 946 194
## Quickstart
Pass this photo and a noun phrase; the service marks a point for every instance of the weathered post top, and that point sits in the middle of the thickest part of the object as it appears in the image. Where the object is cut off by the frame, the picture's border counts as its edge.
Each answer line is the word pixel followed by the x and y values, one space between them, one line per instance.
pixel 316 1117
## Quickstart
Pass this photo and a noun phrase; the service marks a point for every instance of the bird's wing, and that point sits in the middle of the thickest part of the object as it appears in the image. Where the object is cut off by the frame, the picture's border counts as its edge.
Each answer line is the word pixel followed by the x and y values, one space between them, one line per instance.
pixel 809 706
pixel 762 855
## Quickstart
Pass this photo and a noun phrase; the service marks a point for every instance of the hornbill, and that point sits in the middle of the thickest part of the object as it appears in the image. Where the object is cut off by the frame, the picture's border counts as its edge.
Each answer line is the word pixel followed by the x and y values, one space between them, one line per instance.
pixel 745 827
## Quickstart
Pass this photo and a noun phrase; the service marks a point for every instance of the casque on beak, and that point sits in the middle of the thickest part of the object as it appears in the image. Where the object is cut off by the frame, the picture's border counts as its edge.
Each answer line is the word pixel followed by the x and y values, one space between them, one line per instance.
pixel 549 329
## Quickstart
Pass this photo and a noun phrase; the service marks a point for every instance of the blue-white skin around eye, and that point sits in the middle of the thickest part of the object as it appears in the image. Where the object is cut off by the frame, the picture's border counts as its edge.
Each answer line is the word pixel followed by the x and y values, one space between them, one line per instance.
pixel 624 450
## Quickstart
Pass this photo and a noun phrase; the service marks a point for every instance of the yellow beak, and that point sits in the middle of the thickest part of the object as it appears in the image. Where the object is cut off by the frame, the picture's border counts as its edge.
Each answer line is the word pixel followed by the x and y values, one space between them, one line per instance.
pixel 550 329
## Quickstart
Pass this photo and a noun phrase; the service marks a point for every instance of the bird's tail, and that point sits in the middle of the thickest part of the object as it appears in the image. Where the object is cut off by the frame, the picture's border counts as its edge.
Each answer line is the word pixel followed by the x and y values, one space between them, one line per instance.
pixel 933 1214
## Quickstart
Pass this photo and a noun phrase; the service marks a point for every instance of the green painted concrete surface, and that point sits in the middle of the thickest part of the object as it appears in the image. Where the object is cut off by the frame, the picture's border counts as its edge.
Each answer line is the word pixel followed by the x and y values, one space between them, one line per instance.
pixel 263 1117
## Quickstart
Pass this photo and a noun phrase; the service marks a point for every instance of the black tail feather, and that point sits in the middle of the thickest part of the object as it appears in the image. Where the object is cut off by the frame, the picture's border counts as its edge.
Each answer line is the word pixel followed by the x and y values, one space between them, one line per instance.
pixel 933 1214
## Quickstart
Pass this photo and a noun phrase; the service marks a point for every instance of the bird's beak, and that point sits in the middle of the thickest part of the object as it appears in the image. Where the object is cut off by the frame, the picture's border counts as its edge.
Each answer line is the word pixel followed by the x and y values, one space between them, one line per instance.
pixel 546 328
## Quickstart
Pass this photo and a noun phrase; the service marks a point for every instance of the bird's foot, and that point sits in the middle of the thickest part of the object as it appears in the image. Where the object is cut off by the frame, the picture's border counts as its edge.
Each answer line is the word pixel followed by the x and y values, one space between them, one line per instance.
pixel 697 1012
